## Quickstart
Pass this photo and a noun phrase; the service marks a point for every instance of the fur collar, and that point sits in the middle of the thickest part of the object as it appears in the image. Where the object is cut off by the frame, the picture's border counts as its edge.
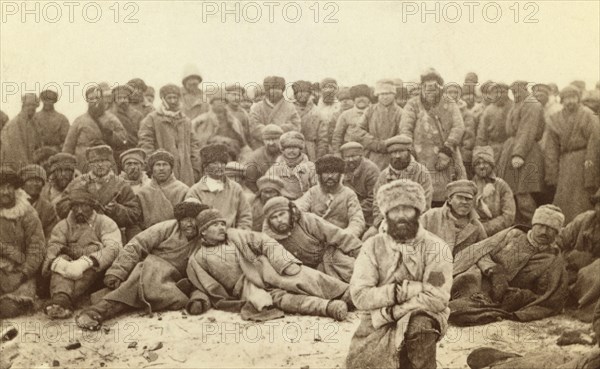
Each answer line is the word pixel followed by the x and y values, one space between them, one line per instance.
pixel 22 205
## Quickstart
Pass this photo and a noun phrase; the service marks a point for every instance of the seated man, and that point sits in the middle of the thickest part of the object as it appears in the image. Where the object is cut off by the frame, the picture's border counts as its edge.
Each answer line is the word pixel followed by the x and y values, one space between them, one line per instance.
pixel 61 173
pixel 34 179
pixel 516 274
pixel 159 197
pixel 267 189
pixel 145 274
pixel 115 197
pixel 216 190
pixel 22 240
pixel 403 285
pixel 80 249
pixel 250 272
pixel 361 176
pixel 580 242
pixel 495 202
pixel 260 160
pixel 317 244
pixel 331 200
pixel 133 162
pixel 237 173
pixel 456 222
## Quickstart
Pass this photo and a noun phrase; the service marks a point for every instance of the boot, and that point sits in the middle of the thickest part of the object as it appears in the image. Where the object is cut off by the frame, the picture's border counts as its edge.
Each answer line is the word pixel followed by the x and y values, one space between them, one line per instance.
pixel 93 317
pixel 59 307
pixel 337 309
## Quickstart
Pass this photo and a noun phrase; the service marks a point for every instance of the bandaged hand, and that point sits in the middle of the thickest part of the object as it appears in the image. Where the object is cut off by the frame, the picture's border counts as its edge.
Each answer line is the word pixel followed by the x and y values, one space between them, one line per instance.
pixel 75 269
pixel 59 265
pixel 517 162
pixel 292 269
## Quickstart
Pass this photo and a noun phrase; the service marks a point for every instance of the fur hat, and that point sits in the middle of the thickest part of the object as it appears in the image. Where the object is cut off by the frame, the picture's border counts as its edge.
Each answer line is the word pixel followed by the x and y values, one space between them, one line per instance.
pixel 265 182
pixel 462 186
pixel 330 164
pixel 136 153
pixel 30 98
pixel 44 153
pixel 344 94
pixel 485 153
pixel 169 89
pixel 62 160
pixel 160 155
pixel 49 95
pixel 570 90
pixel 352 148
pixel 235 169
pixel 401 192
pixel 32 171
pixel 429 74
pixel 518 85
pixel 82 196
pixel 385 86
pixel 8 175
pixel 274 205
pixel 328 82
pixel 360 90
pixel 271 132
pixel 399 142
pixel 272 82
pixel 292 139
pixel 549 215
pixel 100 152
pixel 207 217
pixel 214 153
pixel 300 86
pixel 471 78
pixel 189 208
pixel 138 84
pixel 236 87
pixel 190 71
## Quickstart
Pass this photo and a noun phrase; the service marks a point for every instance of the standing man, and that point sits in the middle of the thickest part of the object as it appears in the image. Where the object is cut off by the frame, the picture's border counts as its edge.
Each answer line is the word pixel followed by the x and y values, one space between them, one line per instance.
pixel 380 122
pixel 169 129
pixel 521 164
pixel 303 98
pixel 192 98
pixel 52 125
pixel 345 128
pixel 402 284
pixel 274 109
pixel 492 125
pixel 129 117
pixel 33 178
pixel 20 137
pixel 314 125
pixel 133 162
pixel 233 95
pixel 261 159
pixel 137 98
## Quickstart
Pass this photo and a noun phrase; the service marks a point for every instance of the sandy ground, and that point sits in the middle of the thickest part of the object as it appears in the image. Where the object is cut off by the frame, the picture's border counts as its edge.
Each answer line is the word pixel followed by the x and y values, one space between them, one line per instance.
pixel 220 339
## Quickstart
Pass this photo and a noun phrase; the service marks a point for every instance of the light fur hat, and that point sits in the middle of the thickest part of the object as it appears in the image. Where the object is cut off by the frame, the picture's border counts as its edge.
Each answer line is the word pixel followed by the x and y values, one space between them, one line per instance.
pixel 401 192
pixel 385 86
pixel 549 215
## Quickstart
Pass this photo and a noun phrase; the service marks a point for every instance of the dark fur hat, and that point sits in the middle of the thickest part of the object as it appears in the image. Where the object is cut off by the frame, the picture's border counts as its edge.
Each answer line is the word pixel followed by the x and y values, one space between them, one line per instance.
pixel 330 164
pixel 214 153
pixel 189 208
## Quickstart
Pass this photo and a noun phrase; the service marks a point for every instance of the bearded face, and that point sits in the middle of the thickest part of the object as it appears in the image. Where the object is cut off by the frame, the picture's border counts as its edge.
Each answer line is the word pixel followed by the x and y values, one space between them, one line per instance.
pixel 82 212
pixel 570 102
pixel 62 177
pixel 330 181
pixel 133 169
pixel 7 196
pixel 96 108
pixel 280 221
pixel 272 146
pixel 403 223
pixel 399 160
pixel 352 162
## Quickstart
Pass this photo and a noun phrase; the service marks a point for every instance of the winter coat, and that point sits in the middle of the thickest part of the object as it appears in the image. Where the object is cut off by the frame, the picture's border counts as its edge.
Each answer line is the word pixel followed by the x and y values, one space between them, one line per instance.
pixel 363 181
pixel 582 234
pixel 256 165
pixel 52 127
pixel 175 135
pixel 283 114
pixel 296 180
pixel 492 127
pixel 340 208
pixel 442 223
pixel 86 132
pixel 207 125
pixel 468 140
pixel 442 125
pixel 377 124
pixel 143 107
pixel 382 265
pixel 137 184
pixel 99 238
pixel 314 128
pixel 3 119
pixel 345 128
pixel 231 202
pixel 193 103
pixel 47 215
pixel 20 138
pixel 571 140
pixel 244 118
pixel 495 204
pixel 524 126
pixel 319 245
pixel 258 215
pixel 158 200
pixel 130 119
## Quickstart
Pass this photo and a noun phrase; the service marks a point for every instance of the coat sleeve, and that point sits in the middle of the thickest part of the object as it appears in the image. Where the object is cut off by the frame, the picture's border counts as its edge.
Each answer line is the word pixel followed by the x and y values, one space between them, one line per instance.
pixel 147 135
pixel 293 122
pixel 482 130
pixel 304 201
pixel 195 147
pixel 57 241
pixel 367 139
pixel 111 123
pixel 110 236
pixel 457 129
pixel 427 185
pixel 529 126
pixel 35 243
pixel 64 128
pixel 567 237
pixel 333 235
pixel 322 138
pixel 508 211
pixel 356 225
pixel 592 176
pixel 364 289
pixel 468 140
pixel 371 179
pixel 552 150
pixel 337 139
pixel 377 216
pixel 409 119
pixel 244 213
pixel 72 138
pixel 128 210
pixel 277 255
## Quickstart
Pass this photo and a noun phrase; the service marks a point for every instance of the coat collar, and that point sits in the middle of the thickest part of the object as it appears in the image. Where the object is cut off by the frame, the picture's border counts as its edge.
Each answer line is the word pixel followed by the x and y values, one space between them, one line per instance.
pixel 21 206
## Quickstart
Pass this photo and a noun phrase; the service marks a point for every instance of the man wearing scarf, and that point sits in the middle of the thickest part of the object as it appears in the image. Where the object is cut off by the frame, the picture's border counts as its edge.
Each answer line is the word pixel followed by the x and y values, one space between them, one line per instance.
pixel 572 154
pixel 129 117
pixel 347 122
pixel 159 197
pixel 169 129
pixel 435 124
pixel 491 130
pixel 133 162
pixel 97 126
pixel 137 99
pixel 331 200
pixel 403 286
pixel 20 137
pixel 380 122
pixel 61 172
pixel 260 160
pixel 51 125
pixel 494 202
pixel 293 167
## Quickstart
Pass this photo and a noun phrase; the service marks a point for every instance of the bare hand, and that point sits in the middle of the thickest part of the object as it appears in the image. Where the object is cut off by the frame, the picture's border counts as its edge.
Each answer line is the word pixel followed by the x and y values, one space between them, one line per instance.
pixel 517 162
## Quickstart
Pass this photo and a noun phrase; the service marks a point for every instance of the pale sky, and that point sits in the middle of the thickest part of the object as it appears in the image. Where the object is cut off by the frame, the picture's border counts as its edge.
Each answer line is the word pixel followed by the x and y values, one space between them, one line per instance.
pixel 371 40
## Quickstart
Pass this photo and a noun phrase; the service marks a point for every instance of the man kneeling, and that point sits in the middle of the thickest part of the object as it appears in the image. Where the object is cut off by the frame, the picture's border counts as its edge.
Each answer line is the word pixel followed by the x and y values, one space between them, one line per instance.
pixel 249 272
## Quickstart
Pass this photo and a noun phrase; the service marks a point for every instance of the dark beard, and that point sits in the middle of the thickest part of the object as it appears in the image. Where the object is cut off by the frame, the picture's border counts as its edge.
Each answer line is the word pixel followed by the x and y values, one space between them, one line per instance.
pixel 273 150
pixel 96 110
pixel 399 164
pixel 403 231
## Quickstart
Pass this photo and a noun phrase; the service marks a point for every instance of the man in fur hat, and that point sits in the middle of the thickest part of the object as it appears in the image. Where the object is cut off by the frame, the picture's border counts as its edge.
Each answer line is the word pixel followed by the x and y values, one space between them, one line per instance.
pixel 331 200
pixel 345 128
pixel 146 272
pixel 317 244
pixel 360 176
pixel 516 274
pixel 267 189
pixel 97 126
pixel 33 178
pixel 494 202
pixel 20 136
pixel 192 98
pixel 159 196
pixel 380 122
pixel 80 249
pixel 436 127
pixel 129 117
pixel 51 125
pixel 114 195
pixel 42 156
pixel 225 274
pixel 293 167
pixel 402 284
pixel 216 190
pixel 303 98
pixel 260 160
pixel 137 99
pixel 274 109
pixel 491 130
pixel 133 162
pixel 457 222
pixel 61 173
pixel 402 166
pixel 23 243
pixel 168 128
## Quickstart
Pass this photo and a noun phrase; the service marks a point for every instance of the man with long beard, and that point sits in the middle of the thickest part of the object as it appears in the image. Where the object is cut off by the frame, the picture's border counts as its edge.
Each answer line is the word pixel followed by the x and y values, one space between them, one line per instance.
pixel 61 173
pixel 95 127
pixel 345 128
pixel 402 166
pixel 129 117
pixel 332 200
pixel 260 160
pixel 402 284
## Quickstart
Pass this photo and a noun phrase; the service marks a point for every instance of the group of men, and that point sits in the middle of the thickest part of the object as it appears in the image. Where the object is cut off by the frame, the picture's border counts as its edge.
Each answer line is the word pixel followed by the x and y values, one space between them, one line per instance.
pixel 438 204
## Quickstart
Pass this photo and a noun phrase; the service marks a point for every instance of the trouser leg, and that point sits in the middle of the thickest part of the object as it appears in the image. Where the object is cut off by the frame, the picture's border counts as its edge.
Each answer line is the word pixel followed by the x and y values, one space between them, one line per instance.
pixel 299 304
pixel 419 346
pixel 73 288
